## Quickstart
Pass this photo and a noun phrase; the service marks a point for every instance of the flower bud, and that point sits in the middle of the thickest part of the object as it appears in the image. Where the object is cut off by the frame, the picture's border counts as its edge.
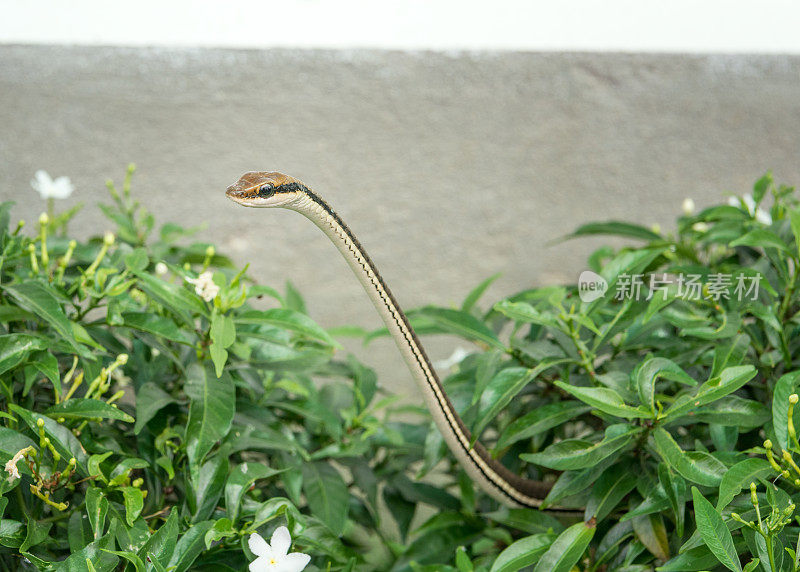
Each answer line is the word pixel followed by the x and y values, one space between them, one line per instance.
pixel 44 219
pixel 688 206
pixel 768 444
pixel 210 251
pixel 108 238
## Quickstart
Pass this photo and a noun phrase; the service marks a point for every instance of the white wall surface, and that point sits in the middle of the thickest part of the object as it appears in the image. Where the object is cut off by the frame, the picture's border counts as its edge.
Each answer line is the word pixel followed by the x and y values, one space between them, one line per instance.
pixel 701 26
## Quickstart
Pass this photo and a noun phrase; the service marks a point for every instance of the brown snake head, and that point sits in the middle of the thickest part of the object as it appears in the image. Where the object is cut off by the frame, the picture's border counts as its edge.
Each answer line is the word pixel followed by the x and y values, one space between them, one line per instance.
pixel 265 189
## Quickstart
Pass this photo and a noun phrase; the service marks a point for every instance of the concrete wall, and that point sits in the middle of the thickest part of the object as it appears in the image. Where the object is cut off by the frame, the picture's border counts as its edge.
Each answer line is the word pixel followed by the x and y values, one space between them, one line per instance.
pixel 449 167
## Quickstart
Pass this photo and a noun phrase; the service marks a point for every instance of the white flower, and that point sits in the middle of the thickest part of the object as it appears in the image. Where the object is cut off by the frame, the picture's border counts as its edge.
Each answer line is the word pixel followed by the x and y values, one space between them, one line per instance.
pixel 161 268
pixel 457 356
pixel 763 217
pixel 204 286
pixel 747 203
pixel 61 188
pixel 274 557
pixel 11 466
pixel 700 227
pixel 688 206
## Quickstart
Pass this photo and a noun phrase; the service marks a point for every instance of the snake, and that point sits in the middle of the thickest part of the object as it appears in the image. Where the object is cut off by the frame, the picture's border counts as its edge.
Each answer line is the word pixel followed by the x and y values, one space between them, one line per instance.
pixel 269 189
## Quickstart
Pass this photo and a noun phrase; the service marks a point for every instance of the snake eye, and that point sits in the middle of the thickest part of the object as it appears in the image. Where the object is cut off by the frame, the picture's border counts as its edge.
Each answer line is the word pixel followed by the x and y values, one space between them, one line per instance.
pixel 266 191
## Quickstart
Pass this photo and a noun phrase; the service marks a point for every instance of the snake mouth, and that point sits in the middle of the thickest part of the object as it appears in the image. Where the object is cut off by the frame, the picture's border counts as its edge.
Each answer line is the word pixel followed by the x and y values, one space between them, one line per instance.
pixel 238 192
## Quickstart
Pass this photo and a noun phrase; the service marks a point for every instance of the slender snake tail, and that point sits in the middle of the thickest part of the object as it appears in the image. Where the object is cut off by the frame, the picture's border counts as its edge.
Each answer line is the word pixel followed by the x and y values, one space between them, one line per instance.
pixel 270 189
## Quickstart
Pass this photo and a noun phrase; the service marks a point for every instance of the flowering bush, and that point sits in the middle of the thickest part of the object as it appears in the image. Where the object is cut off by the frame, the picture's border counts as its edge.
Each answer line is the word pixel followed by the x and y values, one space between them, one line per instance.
pixel 158 408
pixel 161 411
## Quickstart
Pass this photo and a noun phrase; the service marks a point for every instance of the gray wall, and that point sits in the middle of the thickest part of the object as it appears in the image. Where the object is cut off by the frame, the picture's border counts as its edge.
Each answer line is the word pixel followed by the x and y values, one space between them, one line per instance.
pixel 449 167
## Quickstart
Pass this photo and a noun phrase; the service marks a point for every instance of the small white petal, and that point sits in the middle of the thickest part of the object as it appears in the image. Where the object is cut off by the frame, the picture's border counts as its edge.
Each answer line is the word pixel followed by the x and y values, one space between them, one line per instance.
pixel 763 217
pixel 734 202
pixel 281 541
pixel 261 564
pixel 259 546
pixel 455 358
pixel 688 206
pixel 294 562
pixel 749 202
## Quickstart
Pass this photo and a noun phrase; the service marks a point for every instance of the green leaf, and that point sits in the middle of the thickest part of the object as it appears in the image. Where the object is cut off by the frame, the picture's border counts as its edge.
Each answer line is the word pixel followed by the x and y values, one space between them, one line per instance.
pixel 328 497
pixel 580 454
pixel 462 324
pixel 741 475
pixel 154 324
pixel 539 420
pixel 761 187
pixel 794 219
pixel 649 372
pixel 695 466
pixel 36 533
pixel 503 387
pixel 62 438
pixel 180 301
pixel 87 409
pixel 134 502
pixel 616 228
pixel 238 483
pixel 752 565
pixel 137 562
pixel 137 260
pixel 525 313
pixel 522 553
pixel 223 528
pixel 606 400
pixel 161 544
pixel 714 532
pixel 675 488
pixel 35 298
pixel 207 484
pixel 476 293
pixel 96 510
pixel 463 563
pixel 763 238
pixel 731 379
pixel 567 549
pixel 651 532
pixel 288 319
pixel 150 399
pixel 14 348
pixel 526 520
pixel 189 547
pixel 96 557
pixel 609 490
pixel 219 357
pixel 210 412
pixel 223 330
pixel 733 410
pixel 785 386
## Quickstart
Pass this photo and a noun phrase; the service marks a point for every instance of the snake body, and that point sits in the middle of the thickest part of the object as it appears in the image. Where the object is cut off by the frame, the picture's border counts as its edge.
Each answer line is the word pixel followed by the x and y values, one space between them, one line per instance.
pixel 271 189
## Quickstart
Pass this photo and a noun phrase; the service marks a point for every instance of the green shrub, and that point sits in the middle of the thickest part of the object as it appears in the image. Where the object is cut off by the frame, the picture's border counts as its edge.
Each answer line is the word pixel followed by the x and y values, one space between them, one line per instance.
pixel 159 414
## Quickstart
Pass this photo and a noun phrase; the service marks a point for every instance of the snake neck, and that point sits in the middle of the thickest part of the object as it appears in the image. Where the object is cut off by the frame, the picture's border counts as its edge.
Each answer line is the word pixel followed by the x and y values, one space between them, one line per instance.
pixel 493 477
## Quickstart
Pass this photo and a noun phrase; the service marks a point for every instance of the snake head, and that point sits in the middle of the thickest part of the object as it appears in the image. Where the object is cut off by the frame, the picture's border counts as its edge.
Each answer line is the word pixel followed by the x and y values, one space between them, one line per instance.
pixel 265 189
